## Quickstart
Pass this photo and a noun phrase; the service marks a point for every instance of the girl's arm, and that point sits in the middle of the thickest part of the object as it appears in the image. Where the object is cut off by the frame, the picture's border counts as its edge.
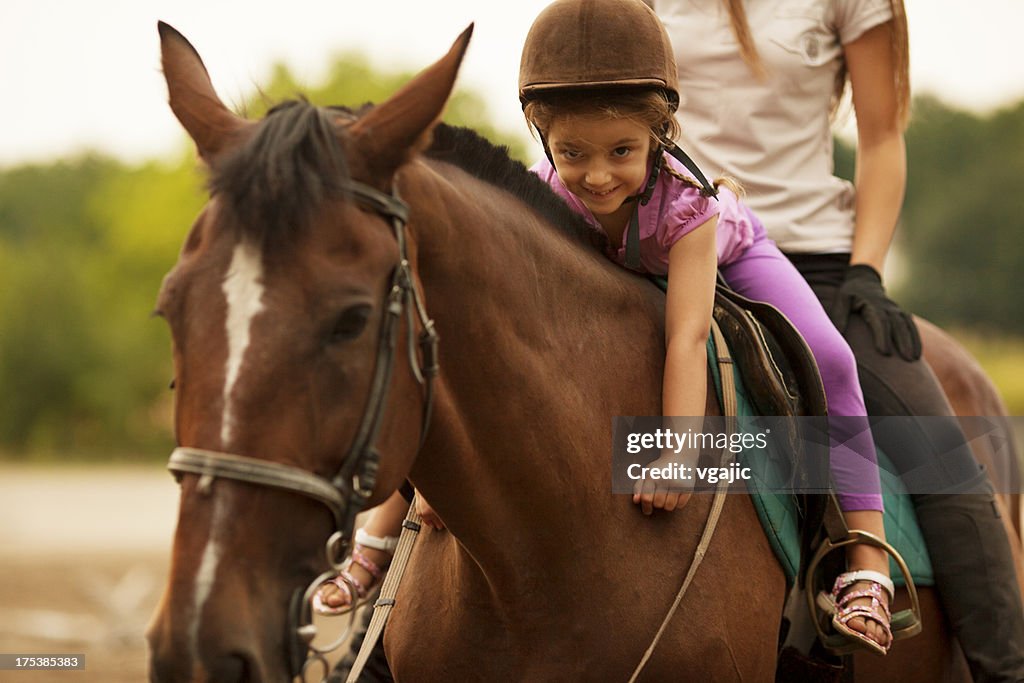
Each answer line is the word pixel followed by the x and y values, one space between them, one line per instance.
pixel 693 261
pixel 881 173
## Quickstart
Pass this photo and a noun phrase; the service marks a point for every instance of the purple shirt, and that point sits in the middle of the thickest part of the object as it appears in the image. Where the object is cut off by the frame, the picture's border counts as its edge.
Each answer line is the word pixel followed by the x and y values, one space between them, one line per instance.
pixel 676 208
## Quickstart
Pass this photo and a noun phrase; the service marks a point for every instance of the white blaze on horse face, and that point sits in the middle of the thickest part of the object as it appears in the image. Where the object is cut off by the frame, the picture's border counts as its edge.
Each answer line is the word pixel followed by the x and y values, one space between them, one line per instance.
pixel 243 289
pixel 206 575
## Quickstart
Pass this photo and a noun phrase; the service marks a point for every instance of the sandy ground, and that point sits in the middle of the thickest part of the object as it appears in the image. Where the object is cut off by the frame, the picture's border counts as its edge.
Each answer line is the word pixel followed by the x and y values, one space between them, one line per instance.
pixel 83 561
pixel 84 554
pixel 84 558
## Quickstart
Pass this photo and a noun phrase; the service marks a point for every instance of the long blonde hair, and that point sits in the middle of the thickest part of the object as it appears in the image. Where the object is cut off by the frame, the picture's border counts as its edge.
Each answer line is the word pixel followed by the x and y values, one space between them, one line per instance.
pixel 900 45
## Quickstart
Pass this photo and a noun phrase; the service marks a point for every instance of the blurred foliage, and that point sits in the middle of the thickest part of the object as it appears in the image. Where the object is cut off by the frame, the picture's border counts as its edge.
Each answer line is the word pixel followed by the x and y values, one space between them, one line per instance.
pixel 1002 357
pixel 352 82
pixel 963 217
pixel 84 244
pixel 964 227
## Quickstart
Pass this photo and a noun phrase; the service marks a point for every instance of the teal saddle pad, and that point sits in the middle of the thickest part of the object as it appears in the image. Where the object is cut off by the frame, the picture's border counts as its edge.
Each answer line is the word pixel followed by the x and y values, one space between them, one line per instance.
pixel 779 516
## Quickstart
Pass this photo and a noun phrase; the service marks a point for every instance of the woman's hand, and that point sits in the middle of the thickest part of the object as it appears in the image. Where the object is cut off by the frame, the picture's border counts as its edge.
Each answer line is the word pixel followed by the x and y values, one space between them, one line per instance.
pixel 862 293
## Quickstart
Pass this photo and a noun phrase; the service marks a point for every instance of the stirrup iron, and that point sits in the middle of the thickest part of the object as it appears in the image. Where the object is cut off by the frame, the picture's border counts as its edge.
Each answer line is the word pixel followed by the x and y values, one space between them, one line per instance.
pixel 903 624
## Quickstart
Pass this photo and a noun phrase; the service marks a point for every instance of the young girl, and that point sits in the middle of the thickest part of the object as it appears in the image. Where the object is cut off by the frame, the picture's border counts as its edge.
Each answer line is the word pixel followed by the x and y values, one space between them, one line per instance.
pixel 598 84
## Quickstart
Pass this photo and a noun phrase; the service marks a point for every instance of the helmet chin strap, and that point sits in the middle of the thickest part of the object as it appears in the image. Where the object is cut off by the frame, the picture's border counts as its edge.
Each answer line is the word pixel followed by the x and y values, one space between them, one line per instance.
pixel 633 230
pixel 641 199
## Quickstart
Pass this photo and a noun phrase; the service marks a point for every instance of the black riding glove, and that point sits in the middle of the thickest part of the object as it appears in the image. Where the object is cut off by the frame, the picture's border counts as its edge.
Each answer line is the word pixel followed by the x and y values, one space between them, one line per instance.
pixel 862 293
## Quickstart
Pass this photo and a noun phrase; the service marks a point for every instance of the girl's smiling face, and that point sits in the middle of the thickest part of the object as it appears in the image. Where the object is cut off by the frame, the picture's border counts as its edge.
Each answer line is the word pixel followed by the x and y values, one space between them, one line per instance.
pixel 601 160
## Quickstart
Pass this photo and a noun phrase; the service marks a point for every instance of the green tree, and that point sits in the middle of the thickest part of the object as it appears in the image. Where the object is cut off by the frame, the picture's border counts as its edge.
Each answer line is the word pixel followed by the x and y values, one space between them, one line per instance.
pixel 352 82
pixel 46 235
pixel 84 244
pixel 964 215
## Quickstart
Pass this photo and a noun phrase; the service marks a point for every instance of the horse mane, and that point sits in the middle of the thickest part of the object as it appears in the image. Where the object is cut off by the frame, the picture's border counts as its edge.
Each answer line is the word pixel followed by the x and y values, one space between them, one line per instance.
pixel 293 161
pixel 481 158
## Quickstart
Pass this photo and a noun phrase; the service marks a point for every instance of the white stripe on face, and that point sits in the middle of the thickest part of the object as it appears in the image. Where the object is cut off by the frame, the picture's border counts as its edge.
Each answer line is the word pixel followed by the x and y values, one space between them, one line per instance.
pixel 244 292
pixel 206 575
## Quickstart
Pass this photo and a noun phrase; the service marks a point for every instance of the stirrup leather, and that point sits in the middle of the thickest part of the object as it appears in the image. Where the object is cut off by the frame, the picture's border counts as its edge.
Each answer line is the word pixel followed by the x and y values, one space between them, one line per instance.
pixel 903 624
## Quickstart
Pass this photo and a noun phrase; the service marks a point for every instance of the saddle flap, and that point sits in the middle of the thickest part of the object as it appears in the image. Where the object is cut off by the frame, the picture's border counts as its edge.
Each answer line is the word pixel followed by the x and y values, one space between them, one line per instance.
pixel 773 359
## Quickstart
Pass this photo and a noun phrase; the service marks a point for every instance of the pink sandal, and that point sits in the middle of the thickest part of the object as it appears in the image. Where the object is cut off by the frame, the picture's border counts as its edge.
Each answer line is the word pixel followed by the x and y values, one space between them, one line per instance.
pixel 346 583
pixel 838 604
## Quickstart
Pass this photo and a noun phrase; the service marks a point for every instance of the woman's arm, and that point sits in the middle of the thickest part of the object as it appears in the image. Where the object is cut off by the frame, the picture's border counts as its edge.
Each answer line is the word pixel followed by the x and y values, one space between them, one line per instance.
pixel 693 261
pixel 881 178
pixel 881 173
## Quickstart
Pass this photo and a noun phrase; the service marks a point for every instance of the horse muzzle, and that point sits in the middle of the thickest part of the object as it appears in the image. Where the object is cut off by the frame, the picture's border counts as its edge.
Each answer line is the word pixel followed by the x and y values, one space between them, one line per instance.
pixel 225 646
pixel 214 663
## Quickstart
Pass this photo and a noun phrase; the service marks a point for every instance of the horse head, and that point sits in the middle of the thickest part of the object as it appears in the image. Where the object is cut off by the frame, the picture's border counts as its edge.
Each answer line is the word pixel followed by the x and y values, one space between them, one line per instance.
pixel 289 309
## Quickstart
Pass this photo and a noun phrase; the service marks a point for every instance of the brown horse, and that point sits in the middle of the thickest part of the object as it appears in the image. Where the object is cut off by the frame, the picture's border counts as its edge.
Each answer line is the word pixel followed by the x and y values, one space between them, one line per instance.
pixel 971 392
pixel 277 308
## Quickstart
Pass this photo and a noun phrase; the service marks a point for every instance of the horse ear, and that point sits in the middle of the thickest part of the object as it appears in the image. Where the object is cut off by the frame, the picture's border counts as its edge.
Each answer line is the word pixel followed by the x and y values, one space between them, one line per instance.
pixel 393 131
pixel 211 125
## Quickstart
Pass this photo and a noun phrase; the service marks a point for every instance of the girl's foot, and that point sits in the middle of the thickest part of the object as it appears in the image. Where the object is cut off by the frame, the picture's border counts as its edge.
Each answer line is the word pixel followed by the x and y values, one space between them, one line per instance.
pixel 860 600
pixel 861 596
pixel 364 571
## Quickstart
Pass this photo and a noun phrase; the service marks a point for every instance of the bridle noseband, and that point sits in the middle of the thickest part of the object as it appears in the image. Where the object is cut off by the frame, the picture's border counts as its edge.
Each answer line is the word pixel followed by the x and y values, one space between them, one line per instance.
pixel 348 491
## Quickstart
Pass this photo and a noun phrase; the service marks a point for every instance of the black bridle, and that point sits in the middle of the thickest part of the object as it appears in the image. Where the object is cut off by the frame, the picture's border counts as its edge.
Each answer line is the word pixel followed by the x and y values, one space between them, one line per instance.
pixel 348 491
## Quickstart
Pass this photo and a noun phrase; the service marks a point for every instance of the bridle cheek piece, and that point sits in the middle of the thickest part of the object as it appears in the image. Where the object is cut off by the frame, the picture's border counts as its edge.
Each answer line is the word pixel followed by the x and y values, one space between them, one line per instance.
pixel 348 491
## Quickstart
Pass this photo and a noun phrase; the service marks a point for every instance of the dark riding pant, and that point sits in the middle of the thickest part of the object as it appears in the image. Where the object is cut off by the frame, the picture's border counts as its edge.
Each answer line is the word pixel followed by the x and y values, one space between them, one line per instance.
pixel 972 561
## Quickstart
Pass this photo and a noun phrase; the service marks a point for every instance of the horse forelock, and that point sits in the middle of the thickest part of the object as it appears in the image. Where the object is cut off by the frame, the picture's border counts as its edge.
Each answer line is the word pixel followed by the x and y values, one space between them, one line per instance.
pixel 274 180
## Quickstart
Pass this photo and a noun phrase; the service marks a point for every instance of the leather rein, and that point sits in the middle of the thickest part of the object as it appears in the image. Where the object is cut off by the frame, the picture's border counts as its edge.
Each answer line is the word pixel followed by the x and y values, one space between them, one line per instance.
pixel 345 494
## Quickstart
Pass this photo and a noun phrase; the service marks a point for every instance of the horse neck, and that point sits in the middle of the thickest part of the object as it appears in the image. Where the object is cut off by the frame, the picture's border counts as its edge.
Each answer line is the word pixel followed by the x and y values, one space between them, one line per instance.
pixel 542 342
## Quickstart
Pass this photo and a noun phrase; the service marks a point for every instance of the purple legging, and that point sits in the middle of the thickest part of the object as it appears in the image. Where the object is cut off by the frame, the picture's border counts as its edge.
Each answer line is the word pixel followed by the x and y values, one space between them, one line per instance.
pixel 763 273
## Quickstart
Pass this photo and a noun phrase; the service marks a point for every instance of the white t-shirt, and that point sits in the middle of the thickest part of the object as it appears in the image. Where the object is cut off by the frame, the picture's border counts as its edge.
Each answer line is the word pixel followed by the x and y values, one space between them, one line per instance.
pixel 774 136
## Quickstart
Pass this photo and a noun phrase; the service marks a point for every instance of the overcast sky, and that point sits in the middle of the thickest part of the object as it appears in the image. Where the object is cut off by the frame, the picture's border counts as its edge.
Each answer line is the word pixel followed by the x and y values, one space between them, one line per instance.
pixel 76 75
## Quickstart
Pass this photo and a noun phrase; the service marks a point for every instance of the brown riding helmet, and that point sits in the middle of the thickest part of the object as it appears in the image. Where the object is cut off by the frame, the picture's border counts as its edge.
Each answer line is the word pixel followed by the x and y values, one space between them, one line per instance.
pixel 597 44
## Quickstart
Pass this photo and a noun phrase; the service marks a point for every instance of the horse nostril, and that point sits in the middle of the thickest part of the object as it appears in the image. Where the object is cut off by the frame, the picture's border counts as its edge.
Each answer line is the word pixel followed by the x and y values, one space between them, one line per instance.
pixel 229 669
pixel 236 667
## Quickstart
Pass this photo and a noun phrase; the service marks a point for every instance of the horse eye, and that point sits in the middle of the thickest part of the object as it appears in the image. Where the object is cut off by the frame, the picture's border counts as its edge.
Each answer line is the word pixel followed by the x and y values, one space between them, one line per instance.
pixel 350 323
pixel 171 384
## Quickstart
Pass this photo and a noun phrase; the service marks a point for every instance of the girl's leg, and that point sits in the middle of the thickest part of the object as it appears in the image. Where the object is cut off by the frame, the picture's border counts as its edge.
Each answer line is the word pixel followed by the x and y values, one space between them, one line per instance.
pixel 385 520
pixel 763 273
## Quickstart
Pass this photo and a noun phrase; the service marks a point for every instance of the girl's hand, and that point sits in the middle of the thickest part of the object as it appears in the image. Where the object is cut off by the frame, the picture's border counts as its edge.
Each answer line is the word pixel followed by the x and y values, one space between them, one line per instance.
pixel 663 494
